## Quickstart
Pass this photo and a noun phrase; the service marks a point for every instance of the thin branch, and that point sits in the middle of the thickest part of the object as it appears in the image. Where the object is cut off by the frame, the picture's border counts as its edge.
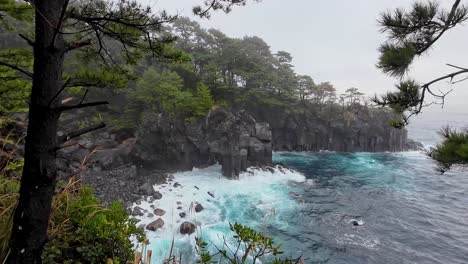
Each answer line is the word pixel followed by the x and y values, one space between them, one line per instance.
pixel 28 40
pixel 78 106
pixel 80 132
pixel 84 96
pixel 202 14
pixel 59 25
pixel 14 67
pixel 59 92
pixel 459 81
pixel 32 2
pixel 457 67
pixel 451 76
pixel 77 45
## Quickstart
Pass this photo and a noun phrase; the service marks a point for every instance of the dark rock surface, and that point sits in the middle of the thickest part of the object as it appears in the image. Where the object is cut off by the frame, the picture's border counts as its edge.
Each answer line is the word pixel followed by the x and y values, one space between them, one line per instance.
pixel 198 208
pixel 123 184
pixel 155 225
pixel 235 140
pixel 159 212
pixel 123 165
pixel 187 228
pixel 360 129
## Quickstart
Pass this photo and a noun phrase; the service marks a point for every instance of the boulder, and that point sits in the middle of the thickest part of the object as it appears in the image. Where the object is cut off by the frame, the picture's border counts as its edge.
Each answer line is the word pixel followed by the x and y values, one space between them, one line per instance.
pixel 157 195
pixel 155 225
pixel 198 208
pixel 182 215
pixel 147 189
pixel 159 212
pixel 187 228
pixel 137 211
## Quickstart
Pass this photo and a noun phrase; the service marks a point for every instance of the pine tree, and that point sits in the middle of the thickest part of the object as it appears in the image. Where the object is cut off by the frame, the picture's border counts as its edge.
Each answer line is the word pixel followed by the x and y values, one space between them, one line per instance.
pixel 411 33
pixel 108 35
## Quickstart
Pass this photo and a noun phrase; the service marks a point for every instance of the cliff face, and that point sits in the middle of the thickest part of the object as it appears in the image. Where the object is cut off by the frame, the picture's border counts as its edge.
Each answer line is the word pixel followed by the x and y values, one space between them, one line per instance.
pixel 235 140
pixel 360 130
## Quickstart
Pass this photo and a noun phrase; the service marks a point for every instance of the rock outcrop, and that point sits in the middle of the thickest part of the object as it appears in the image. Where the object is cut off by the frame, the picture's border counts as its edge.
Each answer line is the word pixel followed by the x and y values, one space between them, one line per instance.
pixel 235 140
pixel 361 129
pixel 155 225
pixel 187 228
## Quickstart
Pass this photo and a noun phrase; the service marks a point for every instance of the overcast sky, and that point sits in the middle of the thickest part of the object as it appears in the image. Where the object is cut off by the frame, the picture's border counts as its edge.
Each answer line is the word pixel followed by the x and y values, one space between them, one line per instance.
pixel 335 40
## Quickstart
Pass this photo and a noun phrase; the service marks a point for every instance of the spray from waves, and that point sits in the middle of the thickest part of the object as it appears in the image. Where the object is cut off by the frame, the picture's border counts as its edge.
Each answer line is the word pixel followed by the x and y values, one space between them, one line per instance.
pixel 259 199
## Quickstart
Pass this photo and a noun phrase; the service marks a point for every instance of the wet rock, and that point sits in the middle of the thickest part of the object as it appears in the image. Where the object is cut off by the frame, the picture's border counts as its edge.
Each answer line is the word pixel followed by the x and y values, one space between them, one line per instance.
pixel 187 228
pixel 357 222
pixel 159 212
pixel 150 215
pixel 157 195
pixel 137 211
pixel 179 203
pixel 179 208
pixel 147 189
pixel 155 225
pixel 234 139
pixel 177 185
pixel 198 208
pixel 182 215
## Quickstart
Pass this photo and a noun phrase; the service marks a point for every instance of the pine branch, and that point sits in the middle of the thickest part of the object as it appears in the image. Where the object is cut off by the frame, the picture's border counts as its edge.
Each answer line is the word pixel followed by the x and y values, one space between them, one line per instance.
pixel 80 132
pixel 77 45
pixel 28 40
pixel 14 67
pixel 80 105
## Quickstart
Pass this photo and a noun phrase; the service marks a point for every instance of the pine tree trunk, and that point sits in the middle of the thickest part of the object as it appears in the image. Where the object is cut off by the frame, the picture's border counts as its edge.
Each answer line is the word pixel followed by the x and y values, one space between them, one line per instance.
pixel 38 181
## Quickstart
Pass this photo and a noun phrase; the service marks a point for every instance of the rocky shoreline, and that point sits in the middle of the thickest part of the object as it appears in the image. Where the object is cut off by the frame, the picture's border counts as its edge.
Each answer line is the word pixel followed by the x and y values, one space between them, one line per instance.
pixel 123 165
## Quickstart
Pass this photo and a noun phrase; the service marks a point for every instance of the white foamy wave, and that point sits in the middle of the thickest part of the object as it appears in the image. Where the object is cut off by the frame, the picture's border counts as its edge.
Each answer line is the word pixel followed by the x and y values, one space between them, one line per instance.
pixel 260 198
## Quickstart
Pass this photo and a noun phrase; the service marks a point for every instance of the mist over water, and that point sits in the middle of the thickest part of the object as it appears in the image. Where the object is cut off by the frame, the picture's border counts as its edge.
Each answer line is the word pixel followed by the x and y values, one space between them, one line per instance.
pixel 411 214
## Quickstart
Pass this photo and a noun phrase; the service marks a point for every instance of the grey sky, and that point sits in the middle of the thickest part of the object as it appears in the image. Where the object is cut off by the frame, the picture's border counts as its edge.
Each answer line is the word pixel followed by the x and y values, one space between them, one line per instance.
pixel 334 40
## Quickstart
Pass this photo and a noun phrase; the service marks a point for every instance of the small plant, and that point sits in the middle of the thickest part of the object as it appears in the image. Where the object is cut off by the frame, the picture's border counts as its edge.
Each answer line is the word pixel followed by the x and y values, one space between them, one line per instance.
pixel 250 246
pixel 80 229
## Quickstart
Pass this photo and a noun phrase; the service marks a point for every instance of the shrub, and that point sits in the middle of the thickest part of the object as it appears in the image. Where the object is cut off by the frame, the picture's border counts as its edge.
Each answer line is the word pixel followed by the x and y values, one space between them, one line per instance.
pixel 80 229
pixel 249 246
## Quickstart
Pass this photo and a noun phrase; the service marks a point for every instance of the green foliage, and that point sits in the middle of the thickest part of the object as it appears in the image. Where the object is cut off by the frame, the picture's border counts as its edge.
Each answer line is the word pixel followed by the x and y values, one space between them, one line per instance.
pixel 162 92
pixel 16 10
pixel 411 33
pixel 249 246
pixel 453 150
pixel 223 5
pixel 14 87
pixel 9 188
pixel 396 59
pixel 92 233
pixel 80 230
pixel 405 98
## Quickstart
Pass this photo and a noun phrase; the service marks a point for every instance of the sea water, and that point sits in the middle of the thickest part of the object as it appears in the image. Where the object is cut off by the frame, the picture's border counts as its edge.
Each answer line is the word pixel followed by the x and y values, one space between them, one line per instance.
pixel 404 210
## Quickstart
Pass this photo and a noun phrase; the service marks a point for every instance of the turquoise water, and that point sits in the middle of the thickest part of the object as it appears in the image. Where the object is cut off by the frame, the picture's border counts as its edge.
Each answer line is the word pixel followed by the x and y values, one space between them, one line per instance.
pixel 410 213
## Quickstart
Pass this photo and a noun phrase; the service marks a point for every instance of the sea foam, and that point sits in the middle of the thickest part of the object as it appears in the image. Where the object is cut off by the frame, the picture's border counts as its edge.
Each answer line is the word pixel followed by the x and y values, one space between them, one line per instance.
pixel 260 199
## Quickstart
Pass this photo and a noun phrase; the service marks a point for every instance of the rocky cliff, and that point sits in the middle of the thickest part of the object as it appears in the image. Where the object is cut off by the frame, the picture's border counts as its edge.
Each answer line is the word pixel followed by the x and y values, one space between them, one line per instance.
pixel 234 139
pixel 360 129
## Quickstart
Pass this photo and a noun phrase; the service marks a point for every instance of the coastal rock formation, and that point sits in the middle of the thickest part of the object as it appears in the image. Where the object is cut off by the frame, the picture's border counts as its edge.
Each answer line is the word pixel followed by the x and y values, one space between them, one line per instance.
pixel 361 129
pixel 235 140
pixel 155 225
pixel 187 228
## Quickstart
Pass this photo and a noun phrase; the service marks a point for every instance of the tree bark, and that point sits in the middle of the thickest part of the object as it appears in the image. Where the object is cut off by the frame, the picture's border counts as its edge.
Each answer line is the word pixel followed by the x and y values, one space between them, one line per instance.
pixel 38 181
